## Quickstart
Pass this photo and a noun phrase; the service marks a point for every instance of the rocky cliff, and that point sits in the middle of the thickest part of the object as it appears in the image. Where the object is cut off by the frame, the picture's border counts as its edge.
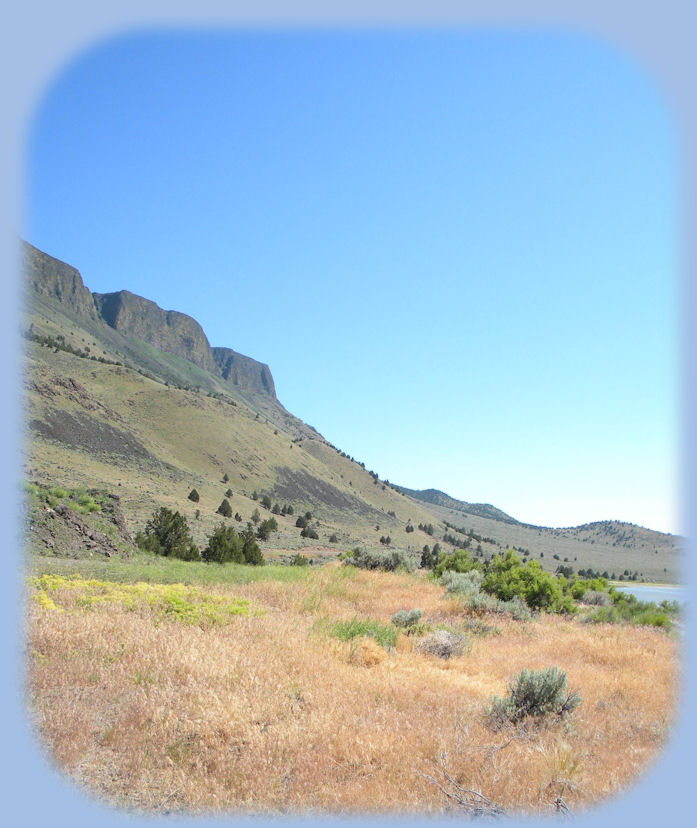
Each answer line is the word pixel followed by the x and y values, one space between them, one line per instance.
pixel 170 331
pixel 244 371
pixel 56 280
pixel 134 316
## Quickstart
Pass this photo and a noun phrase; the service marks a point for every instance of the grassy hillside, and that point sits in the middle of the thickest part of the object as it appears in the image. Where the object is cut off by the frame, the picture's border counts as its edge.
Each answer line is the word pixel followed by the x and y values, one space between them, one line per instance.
pixel 111 412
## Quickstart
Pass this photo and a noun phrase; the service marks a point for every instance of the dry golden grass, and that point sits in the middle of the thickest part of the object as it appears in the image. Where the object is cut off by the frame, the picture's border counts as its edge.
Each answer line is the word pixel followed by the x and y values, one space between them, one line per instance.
pixel 265 713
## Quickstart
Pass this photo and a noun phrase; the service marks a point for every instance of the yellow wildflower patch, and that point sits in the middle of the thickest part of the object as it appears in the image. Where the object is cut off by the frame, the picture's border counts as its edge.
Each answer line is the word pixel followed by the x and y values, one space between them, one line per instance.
pixel 178 602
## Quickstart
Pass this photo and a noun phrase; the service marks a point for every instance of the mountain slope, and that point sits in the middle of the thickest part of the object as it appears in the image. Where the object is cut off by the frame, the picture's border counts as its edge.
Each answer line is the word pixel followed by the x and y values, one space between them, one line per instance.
pixel 111 410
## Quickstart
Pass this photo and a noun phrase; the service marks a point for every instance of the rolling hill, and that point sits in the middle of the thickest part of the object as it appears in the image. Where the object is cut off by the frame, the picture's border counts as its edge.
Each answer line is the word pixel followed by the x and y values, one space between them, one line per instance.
pixel 125 397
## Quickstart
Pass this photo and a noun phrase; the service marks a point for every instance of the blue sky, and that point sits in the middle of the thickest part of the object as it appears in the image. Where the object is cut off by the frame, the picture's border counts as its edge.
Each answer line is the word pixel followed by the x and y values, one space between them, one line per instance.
pixel 457 252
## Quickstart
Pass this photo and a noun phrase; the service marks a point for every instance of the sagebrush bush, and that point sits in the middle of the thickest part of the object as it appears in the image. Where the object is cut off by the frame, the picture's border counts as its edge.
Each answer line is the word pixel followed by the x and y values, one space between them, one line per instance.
pixel 533 694
pixel 462 583
pixel 386 560
pixel 406 618
pixel 466 585
pixel 598 599
pixel 443 643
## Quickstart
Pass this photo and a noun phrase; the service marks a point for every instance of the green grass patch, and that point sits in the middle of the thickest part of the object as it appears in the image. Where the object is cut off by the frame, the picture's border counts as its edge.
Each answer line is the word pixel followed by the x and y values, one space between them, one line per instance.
pixel 384 634
pixel 160 570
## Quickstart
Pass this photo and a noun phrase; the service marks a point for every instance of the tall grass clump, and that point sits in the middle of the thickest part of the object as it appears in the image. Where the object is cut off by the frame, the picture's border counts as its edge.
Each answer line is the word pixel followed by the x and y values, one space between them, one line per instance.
pixel 533 694
pixel 384 634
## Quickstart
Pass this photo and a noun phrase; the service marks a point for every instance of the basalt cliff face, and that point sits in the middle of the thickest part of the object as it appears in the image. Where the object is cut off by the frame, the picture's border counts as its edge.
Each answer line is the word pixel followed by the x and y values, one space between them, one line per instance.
pixel 170 331
pixel 244 371
pixel 134 316
pixel 56 280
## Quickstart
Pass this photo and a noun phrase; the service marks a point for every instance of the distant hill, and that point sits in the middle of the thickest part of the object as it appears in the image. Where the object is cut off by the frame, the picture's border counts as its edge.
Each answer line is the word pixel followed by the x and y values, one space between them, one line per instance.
pixel 130 399
pixel 438 498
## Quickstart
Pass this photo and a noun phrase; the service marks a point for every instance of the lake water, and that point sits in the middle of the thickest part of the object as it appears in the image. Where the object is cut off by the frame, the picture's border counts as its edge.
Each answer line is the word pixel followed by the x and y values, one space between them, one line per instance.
pixel 643 592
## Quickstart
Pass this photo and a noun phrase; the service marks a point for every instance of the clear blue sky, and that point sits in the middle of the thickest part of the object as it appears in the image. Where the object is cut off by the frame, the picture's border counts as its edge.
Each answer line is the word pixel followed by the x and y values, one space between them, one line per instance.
pixel 458 253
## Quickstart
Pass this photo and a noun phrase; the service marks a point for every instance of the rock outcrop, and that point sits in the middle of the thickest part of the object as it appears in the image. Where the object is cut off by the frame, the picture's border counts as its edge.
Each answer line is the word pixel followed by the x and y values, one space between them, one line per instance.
pixel 244 371
pixel 170 331
pixel 57 280
pixel 134 316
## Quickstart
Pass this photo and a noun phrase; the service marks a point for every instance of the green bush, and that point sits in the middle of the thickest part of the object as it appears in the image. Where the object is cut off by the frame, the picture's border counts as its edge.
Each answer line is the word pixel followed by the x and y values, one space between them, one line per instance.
pixel 167 533
pixel 266 528
pixel 250 548
pixel 458 561
pixel 224 546
pixel 508 576
pixel 194 496
pixel 309 532
pixel 466 585
pixel 533 694
pixel 300 560
pixel 224 509
pixel 627 609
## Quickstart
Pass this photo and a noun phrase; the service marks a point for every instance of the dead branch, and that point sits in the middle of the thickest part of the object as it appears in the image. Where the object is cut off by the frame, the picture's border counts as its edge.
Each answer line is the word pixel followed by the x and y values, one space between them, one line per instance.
pixel 471 801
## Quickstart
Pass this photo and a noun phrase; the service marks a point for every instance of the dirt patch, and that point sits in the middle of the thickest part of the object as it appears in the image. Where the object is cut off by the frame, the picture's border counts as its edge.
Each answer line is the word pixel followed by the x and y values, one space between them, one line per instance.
pixel 84 432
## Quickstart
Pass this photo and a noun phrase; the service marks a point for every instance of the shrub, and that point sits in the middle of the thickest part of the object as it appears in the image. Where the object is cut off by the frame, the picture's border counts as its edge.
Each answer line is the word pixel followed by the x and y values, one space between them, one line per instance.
pixel 167 533
pixel 266 527
pixel 301 522
pixel 464 584
pixel 599 599
pixel 224 546
pixel 225 509
pixel 266 502
pixel 228 493
pixel 309 532
pixel 300 560
pixel 533 693
pixel 458 561
pixel 404 618
pixel 333 538
pixel 194 496
pixel 250 548
pixel 383 559
pixel 509 576
pixel 226 477
pixel 443 643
